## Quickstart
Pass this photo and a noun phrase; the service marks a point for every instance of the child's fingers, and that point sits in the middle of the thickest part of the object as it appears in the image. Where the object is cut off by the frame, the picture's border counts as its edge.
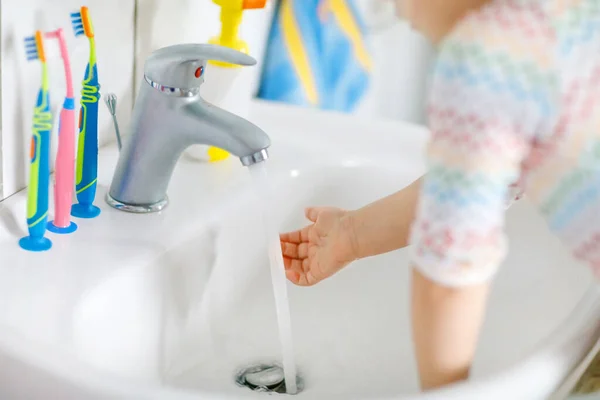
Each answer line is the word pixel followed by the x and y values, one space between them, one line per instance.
pixel 293 269
pixel 310 279
pixel 296 236
pixel 302 250
pixel 293 250
pixel 312 213
pixel 296 278
pixel 306 278
pixel 298 272
pixel 291 237
pixel 292 263
pixel 293 276
pixel 290 249
pixel 304 233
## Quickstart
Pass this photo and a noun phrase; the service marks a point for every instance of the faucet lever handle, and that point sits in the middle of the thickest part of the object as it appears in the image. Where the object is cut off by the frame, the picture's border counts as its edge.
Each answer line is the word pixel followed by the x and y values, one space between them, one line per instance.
pixel 213 52
pixel 182 66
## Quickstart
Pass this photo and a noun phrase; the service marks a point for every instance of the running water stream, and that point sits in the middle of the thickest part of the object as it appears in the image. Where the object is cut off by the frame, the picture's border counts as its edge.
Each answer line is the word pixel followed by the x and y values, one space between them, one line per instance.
pixel 261 182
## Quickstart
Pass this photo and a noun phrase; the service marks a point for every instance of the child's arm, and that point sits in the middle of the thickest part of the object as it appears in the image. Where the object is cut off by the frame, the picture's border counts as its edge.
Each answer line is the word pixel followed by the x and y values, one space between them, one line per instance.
pixel 337 237
pixel 384 225
pixel 490 99
pixel 446 322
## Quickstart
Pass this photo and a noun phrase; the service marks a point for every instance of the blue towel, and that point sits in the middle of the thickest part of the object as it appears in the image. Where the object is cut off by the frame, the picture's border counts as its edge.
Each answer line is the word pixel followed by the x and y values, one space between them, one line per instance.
pixel 316 55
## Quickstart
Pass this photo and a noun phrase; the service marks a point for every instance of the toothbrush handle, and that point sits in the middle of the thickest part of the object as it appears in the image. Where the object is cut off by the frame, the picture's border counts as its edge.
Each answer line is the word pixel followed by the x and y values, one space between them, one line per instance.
pixel 65 165
pixel 39 175
pixel 87 152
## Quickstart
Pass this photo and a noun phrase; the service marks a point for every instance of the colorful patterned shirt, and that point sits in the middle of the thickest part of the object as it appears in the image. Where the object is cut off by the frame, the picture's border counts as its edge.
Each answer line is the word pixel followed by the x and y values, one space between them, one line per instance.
pixel 515 97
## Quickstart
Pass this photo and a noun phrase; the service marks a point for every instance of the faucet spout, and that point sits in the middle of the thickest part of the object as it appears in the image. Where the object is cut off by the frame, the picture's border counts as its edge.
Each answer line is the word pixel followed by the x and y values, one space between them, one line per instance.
pixel 210 125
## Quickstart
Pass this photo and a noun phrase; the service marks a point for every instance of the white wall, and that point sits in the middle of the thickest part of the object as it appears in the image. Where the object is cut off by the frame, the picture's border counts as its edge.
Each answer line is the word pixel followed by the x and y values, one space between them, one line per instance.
pixel 114 28
pixel 401 60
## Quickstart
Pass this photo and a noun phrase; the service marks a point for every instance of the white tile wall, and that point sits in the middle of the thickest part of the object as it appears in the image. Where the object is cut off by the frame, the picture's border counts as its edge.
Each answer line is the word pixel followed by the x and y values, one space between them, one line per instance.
pixel 114 28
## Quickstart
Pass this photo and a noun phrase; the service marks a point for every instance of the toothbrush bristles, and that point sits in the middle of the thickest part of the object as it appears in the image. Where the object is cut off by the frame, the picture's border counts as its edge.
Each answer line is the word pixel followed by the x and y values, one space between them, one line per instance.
pixel 31 50
pixel 77 23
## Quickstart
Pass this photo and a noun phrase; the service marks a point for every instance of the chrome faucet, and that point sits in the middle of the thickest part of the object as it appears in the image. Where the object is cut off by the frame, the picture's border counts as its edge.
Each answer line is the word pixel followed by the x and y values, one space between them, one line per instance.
pixel 169 116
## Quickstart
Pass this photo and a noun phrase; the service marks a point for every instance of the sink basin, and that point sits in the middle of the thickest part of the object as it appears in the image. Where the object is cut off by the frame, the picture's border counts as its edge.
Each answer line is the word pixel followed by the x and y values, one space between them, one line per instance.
pixel 172 305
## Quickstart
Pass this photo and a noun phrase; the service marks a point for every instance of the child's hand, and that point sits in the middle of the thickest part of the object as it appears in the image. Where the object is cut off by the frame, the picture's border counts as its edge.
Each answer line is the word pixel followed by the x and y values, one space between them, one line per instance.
pixel 319 250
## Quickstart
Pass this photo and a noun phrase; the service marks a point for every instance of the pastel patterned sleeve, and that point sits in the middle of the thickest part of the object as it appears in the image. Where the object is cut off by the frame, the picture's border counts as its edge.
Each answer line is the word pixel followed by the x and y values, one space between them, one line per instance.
pixel 491 92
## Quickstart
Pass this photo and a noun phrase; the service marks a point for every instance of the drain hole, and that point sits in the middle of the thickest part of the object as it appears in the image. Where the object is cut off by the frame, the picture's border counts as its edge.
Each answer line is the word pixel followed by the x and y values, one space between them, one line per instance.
pixel 266 378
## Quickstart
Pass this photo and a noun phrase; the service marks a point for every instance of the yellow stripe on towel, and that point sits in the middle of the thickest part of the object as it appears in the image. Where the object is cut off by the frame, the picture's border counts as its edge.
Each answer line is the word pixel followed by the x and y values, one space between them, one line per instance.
pixel 348 24
pixel 297 52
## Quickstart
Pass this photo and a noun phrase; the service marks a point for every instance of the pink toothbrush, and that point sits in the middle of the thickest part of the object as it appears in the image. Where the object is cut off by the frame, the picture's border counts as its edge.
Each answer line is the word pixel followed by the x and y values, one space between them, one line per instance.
pixel 65 159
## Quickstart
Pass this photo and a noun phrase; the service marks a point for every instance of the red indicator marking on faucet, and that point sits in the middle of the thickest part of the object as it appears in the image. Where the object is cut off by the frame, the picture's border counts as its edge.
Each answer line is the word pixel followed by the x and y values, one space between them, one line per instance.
pixel 199 72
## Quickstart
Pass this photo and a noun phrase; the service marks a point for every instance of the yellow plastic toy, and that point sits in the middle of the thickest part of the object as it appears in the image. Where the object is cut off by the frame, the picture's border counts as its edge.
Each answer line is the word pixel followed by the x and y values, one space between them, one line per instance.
pixel 231 18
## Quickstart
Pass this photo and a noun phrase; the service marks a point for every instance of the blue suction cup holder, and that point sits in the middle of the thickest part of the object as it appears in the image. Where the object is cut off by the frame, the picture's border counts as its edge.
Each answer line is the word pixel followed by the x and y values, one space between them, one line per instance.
pixel 35 244
pixel 62 231
pixel 86 211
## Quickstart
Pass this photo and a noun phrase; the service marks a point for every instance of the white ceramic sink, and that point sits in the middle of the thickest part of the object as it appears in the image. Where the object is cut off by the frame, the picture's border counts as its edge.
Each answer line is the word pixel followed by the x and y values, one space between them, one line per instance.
pixel 170 306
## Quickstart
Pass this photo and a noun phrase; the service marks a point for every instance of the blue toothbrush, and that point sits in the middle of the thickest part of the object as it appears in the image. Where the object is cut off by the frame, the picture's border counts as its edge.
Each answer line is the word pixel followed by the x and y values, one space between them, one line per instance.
pixel 39 172
pixel 87 148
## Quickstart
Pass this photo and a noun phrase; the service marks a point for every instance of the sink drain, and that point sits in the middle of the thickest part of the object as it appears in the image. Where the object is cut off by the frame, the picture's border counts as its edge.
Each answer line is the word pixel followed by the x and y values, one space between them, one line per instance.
pixel 265 378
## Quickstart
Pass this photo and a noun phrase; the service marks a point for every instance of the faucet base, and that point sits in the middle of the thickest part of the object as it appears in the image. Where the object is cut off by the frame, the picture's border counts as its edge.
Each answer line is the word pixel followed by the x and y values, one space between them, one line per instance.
pixel 136 209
